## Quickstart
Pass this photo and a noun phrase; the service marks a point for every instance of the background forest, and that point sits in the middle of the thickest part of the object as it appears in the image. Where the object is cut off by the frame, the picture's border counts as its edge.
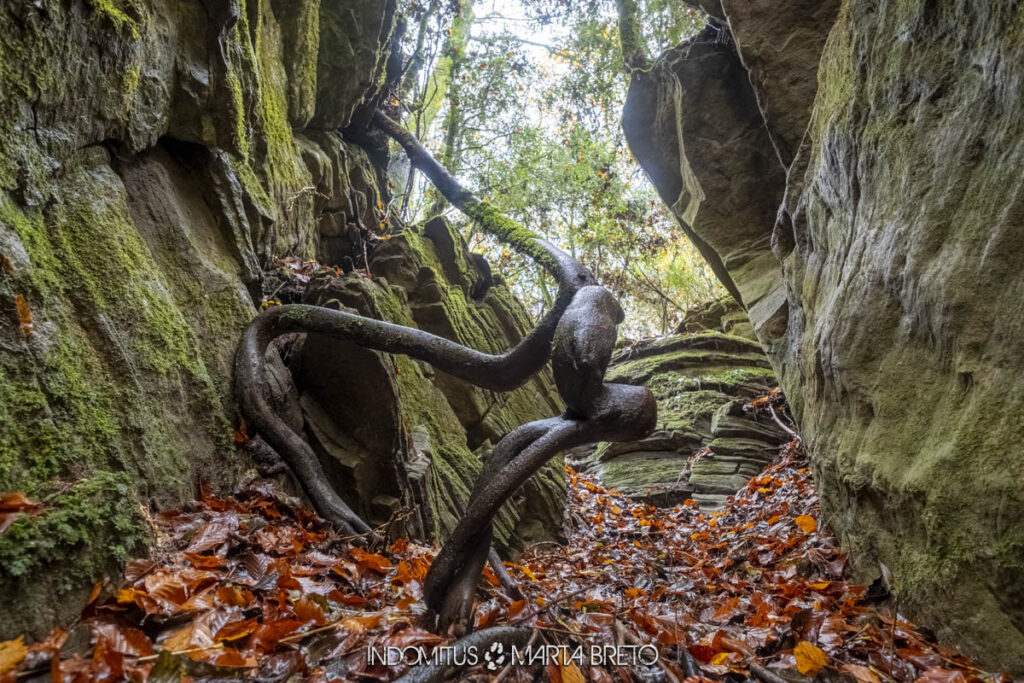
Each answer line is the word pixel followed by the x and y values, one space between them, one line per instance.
pixel 522 100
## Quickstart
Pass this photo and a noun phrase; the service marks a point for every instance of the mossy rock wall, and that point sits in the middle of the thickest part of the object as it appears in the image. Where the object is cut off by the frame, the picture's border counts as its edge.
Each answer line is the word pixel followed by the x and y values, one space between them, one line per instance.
pixel 877 250
pixel 155 155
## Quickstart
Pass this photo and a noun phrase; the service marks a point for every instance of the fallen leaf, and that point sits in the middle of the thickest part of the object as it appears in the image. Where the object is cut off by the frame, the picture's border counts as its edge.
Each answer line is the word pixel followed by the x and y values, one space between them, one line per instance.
pixel 236 630
pixel 809 658
pixel 371 561
pixel 939 675
pixel 12 652
pixel 12 505
pixel 24 315
pixel 571 673
pixel 806 523
pixel 862 673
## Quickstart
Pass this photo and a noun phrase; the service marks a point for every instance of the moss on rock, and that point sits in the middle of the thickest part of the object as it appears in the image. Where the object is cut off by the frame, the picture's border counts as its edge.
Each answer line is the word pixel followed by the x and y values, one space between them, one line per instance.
pixel 697 379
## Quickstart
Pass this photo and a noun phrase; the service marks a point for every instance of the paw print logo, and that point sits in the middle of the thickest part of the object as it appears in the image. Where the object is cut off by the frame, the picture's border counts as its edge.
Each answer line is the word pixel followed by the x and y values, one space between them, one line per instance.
pixel 495 656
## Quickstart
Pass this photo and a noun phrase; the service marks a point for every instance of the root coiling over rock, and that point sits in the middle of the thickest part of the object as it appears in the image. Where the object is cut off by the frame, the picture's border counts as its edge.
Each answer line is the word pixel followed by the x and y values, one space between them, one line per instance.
pixel 578 335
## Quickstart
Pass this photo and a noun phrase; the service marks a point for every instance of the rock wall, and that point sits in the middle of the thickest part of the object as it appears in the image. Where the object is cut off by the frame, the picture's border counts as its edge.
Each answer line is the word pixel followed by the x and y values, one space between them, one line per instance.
pixel 156 157
pixel 852 170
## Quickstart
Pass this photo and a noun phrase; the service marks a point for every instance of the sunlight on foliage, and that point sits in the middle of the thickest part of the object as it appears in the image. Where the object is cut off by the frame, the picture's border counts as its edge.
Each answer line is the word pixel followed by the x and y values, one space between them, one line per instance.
pixel 530 120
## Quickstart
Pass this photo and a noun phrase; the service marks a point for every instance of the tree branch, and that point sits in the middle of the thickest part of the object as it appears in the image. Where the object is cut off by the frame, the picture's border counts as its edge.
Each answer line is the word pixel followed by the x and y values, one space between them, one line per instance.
pixel 634 56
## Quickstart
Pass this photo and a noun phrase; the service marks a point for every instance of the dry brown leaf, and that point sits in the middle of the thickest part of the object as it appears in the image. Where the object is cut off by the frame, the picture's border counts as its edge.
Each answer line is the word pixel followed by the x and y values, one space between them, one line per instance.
pixel 862 673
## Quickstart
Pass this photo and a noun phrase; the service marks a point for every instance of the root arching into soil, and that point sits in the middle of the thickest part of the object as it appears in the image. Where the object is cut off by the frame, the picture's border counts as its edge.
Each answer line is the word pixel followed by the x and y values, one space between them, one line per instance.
pixel 577 335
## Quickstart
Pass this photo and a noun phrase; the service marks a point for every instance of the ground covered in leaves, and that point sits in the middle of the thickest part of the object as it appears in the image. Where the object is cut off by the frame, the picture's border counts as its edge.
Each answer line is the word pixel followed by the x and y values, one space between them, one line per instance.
pixel 256 587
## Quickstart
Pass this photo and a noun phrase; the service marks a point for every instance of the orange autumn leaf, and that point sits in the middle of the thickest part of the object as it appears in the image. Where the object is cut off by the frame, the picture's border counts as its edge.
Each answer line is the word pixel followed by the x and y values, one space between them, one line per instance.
pixel 16 502
pixel 516 607
pixel 24 315
pixel 807 523
pixel 12 652
pixel 809 658
pixel 371 561
pixel 571 674
pixel 241 433
pixel 205 561
pixel 234 659
pixel 237 630
pixel 12 505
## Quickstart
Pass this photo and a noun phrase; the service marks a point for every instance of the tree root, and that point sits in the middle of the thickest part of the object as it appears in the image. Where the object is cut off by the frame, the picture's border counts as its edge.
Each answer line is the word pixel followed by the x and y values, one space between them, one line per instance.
pixel 607 412
pixel 577 334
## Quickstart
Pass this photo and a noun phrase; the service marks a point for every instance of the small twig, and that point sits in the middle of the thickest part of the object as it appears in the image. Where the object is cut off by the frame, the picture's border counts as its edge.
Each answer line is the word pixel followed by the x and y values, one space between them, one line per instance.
pixel 376 532
pixel 150 658
pixel 779 422
pixel 539 544
pixel 504 578
pixel 326 627
pixel 764 674
pixel 549 605
pixel 892 631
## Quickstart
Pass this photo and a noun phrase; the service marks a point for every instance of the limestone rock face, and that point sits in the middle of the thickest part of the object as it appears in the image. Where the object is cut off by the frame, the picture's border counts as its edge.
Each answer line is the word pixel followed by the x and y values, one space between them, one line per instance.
pixel 891 312
pixel 704 447
pixel 156 158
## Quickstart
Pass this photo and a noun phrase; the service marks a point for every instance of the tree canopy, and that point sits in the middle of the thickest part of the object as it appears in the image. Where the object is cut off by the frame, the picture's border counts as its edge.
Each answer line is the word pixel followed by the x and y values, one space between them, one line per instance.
pixel 521 100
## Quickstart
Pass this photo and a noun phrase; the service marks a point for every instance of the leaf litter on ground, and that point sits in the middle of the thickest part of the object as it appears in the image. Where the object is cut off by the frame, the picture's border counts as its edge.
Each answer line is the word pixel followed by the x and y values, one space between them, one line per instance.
pixel 256 587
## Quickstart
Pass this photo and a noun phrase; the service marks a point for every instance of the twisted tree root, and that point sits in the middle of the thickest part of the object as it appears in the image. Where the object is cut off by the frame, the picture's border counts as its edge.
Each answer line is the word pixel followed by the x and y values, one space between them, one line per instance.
pixel 595 412
pixel 496 372
pixel 502 372
pixel 579 331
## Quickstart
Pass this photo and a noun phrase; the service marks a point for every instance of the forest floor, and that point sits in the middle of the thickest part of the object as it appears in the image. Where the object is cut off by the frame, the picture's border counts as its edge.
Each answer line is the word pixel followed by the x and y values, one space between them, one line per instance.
pixel 256 587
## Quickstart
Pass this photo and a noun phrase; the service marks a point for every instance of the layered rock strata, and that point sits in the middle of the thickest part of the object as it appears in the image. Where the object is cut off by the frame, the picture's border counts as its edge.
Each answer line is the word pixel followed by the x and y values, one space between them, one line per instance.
pixel 705 446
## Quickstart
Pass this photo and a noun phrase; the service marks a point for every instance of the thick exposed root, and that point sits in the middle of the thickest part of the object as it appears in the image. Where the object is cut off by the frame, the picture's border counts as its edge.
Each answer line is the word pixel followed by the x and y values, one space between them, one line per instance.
pixel 498 372
pixel 595 412
pixel 577 334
